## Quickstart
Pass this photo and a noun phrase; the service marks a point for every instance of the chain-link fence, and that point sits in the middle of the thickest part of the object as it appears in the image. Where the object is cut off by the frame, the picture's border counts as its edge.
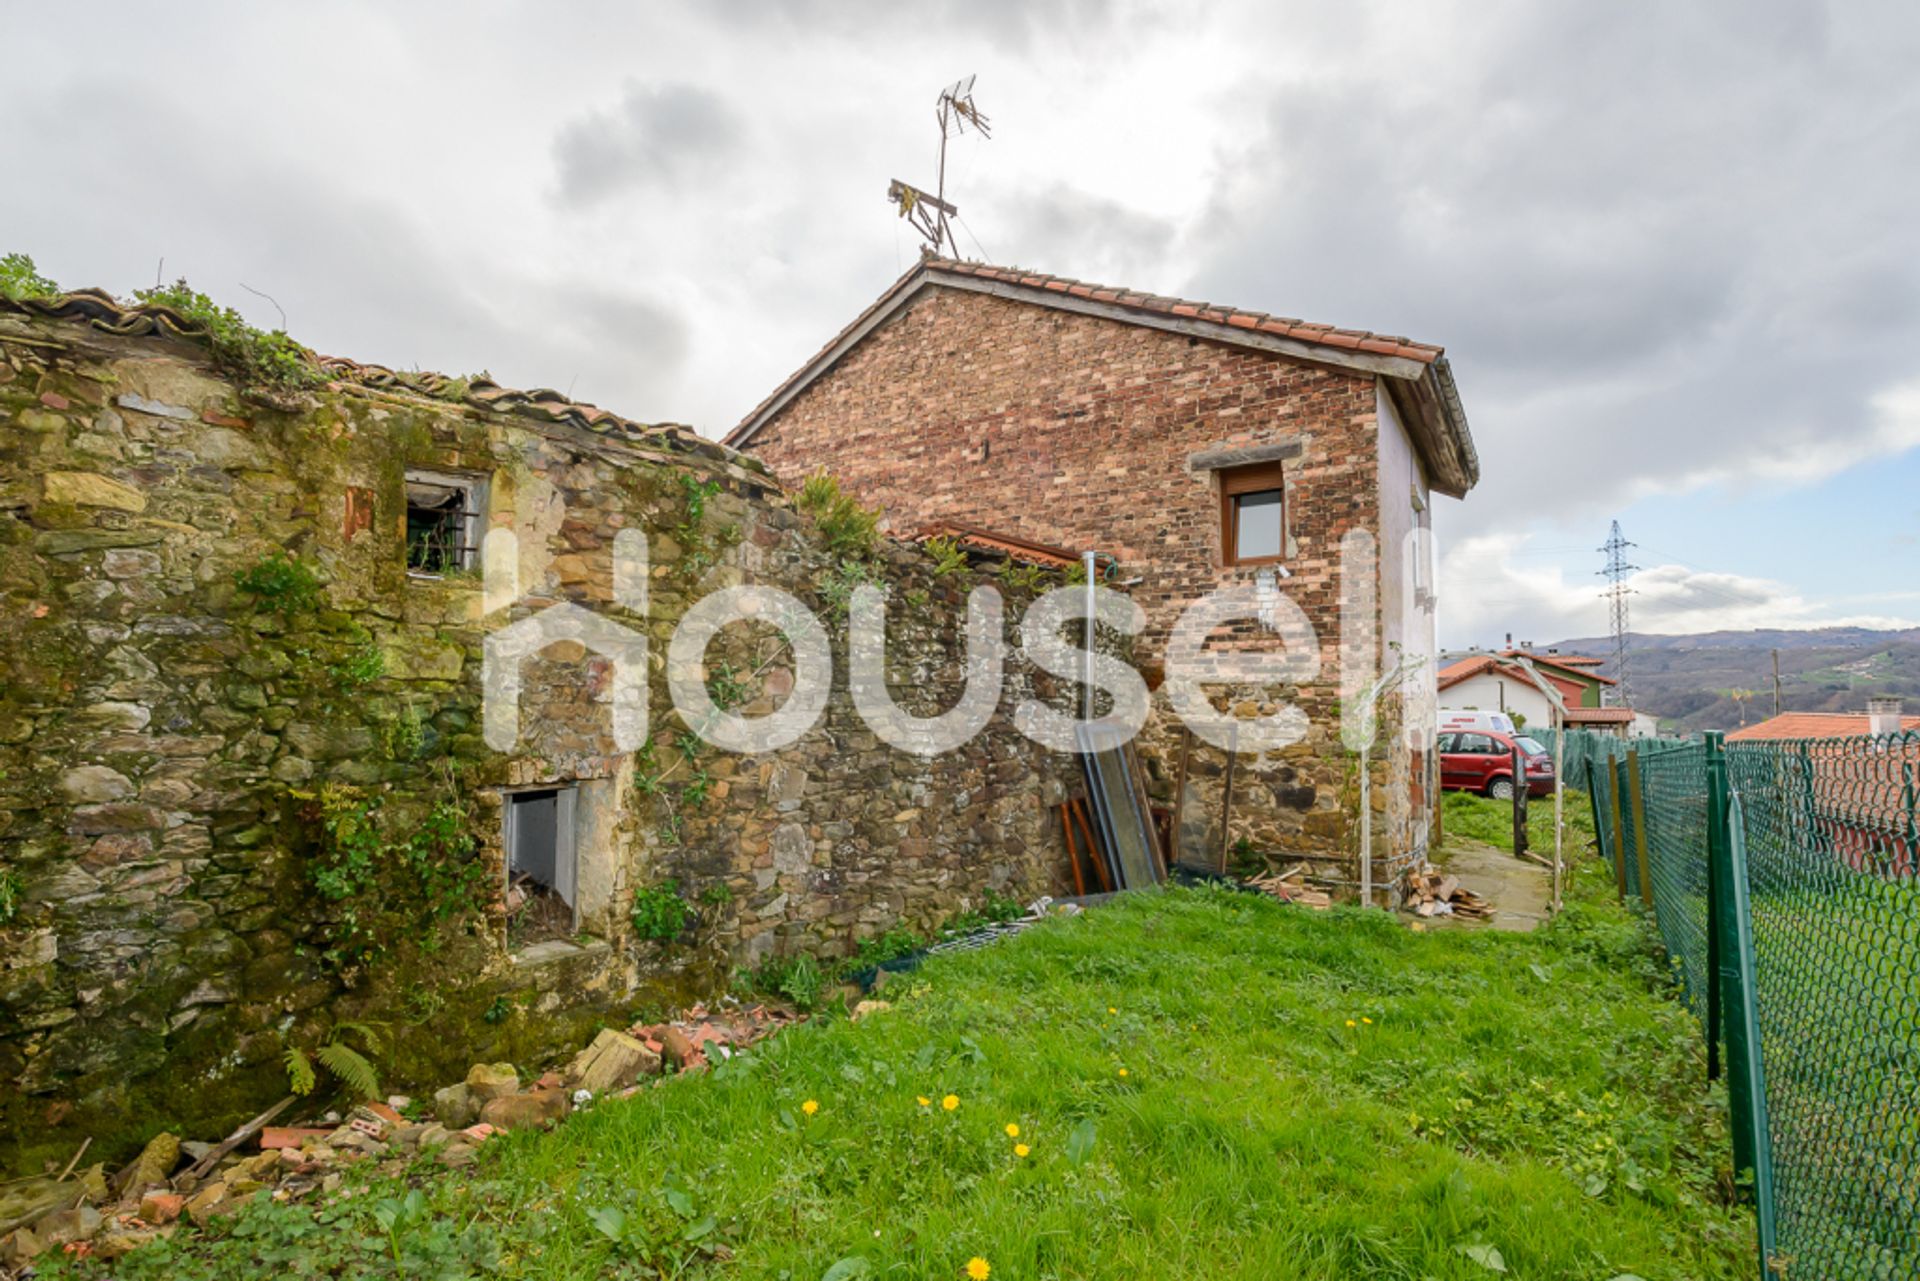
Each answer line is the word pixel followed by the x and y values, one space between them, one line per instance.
pixel 1782 878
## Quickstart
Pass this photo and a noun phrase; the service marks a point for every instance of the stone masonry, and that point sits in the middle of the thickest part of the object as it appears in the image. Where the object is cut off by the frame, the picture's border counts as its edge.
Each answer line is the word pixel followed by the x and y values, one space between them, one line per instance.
pixel 193 746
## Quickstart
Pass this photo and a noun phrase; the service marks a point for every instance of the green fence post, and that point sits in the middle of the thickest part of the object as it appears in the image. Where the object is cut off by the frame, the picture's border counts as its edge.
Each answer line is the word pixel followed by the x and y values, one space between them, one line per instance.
pixel 1619 827
pixel 1716 838
pixel 1637 800
pixel 1593 799
pixel 1746 1070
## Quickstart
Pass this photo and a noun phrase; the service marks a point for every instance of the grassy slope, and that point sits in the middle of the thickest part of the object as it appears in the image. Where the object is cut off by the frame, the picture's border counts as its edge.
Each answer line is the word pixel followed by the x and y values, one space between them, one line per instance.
pixel 1532 1093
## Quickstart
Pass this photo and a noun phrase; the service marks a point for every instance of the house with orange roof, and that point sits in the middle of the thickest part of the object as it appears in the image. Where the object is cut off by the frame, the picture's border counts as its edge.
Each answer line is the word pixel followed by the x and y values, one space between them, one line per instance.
pixel 1194 447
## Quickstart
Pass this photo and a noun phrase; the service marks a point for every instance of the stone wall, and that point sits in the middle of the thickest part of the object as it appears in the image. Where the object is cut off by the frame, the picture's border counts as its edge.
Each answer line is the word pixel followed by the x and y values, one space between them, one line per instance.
pixel 244 791
pixel 1078 431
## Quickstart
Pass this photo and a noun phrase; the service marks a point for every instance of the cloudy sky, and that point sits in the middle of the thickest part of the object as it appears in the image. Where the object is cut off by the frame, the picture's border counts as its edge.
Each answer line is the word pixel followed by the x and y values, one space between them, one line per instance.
pixel 1673 250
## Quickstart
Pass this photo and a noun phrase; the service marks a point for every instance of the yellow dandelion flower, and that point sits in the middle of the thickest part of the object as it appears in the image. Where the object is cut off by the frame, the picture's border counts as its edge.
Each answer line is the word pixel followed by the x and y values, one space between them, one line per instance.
pixel 1123 1071
pixel 1351 1023
pixel 923 1100
pixel 1013 1131
pixel 1112 1010
pixel 951 1102
pixel 810 1107
pixel 1365 1019
pixel 978 1268
pixel 1021 1149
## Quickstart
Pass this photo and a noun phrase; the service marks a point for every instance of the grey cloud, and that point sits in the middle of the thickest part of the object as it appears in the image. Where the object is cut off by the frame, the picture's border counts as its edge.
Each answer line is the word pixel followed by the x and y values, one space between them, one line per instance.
pixel 654 137
pixel 1071 232
pixel 358 278
pixel 1016 26
pixel 1671 245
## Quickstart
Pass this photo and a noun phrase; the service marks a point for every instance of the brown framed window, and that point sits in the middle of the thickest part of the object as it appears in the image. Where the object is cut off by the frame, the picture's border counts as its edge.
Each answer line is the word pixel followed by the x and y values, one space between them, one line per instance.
pixel 1253 520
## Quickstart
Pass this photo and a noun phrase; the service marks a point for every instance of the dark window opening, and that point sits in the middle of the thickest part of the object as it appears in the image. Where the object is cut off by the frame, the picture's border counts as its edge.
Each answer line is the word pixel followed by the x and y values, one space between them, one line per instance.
pixel 542 875
pixel 442 524
pixel 1253 521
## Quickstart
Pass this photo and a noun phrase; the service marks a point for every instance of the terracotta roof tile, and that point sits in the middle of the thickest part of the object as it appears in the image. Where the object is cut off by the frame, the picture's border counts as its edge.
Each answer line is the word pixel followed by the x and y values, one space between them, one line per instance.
pixel 1814 725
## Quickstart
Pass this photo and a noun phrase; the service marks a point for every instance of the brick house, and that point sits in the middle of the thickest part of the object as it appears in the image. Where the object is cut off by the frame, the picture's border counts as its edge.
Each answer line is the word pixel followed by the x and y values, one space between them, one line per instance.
pixel 1201 447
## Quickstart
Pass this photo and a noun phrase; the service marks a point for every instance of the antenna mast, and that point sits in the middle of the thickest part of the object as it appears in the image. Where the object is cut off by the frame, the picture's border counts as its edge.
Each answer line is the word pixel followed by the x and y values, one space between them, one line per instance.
pixel 1616 594
pixel 930 213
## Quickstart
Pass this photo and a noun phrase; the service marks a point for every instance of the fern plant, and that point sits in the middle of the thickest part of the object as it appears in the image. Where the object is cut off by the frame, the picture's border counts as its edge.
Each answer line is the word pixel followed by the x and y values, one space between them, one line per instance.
pixel 849 528
pixel 349 1066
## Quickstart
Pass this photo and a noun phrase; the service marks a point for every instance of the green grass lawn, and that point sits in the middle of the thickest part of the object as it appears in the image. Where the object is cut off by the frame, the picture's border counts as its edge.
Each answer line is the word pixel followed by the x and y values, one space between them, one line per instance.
pixel 1208 1085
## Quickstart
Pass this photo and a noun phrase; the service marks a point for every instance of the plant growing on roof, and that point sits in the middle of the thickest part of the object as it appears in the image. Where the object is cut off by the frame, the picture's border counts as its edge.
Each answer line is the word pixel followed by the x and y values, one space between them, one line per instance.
pixel 19 280
pixel 258 357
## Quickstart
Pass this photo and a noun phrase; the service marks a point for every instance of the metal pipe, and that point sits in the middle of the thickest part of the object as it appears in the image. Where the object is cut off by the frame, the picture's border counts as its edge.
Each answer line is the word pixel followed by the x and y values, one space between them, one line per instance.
pixel 1088 559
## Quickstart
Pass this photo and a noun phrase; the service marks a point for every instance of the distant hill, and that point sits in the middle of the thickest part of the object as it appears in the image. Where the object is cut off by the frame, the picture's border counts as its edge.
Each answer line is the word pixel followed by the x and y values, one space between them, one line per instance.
pixel 1687 680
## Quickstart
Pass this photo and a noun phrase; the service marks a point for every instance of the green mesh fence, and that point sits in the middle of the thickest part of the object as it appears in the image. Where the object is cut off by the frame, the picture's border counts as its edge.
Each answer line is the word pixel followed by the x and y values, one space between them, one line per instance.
pixel 1830 845
pixel 1783 883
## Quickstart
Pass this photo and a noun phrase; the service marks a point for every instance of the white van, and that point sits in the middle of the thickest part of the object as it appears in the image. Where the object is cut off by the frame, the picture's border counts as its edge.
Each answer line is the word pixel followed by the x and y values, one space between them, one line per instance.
pixel 1497 722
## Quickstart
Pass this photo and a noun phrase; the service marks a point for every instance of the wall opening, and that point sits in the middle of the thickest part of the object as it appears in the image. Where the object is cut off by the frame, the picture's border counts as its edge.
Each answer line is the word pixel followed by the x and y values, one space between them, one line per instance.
pixel 443 522
pixel 543 872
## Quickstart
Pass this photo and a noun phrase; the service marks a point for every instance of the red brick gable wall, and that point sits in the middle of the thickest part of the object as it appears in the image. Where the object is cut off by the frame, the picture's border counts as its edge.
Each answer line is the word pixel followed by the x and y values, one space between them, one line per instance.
pixel 1076 431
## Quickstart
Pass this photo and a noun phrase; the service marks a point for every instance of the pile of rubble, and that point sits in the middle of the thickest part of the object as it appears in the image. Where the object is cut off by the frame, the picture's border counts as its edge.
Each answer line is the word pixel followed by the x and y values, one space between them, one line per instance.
pixel 174 1180
pixel 1290 886
pixel 1431 892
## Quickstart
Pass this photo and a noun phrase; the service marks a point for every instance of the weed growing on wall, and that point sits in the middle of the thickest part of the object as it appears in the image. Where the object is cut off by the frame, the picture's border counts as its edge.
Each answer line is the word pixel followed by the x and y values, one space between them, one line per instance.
pixel 700 551
pixel 949 557
pixel 11 892
pixel 659 913
pixel 279 584
pixel 849 529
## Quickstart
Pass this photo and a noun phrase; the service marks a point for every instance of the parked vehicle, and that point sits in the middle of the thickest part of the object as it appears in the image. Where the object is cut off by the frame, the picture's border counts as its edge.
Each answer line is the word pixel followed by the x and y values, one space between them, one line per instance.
pixel 1482 761
pixel 1485 722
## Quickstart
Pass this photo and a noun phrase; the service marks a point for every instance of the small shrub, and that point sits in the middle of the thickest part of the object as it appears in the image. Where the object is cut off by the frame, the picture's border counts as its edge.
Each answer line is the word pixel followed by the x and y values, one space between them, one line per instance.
pixel 280 584
pixel 877 951
pixel 797 978
pixel 20 281
pixel 255 356
pixel 718 894
pixel 849 528
pixel 659 913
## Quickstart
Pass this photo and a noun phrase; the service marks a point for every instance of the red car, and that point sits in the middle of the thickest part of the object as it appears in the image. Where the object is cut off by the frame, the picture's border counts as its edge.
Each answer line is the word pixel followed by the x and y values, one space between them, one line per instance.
pixel 1482 761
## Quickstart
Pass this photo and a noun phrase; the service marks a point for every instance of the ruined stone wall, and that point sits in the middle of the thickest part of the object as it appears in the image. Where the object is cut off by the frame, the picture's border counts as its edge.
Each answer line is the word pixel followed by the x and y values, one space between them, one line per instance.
pixel 242 802
pixel 1078 431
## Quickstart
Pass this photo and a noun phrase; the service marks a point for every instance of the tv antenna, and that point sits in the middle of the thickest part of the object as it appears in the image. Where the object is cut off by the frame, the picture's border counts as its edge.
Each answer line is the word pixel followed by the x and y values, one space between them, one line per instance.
pixel 930 214
pixel 1616 594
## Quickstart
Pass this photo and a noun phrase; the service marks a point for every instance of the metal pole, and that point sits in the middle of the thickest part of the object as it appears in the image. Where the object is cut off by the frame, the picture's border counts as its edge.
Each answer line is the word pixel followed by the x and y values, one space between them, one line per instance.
pixel 1366 828
pixel 1087 559
pixel 1559 800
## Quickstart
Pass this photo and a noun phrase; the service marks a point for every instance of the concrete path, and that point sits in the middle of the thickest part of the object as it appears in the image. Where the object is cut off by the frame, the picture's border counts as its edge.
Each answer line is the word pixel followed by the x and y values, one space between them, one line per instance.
pixel 1520 891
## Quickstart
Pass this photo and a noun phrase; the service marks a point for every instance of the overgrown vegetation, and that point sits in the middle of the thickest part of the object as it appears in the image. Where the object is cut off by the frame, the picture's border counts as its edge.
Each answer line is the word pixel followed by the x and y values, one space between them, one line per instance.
pixel 1465 816
pixel 849 529
pixel 388 879
pixel 1204 1083
pixel 699 549
pixel 257 357
pixel 280 584
pixel 19 280
pixel 659 912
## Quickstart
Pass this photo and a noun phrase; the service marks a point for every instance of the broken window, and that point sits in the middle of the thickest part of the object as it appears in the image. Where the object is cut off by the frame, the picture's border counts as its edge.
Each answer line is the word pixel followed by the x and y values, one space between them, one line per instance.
pixel 443 522
pixel 542 866
pixel 1252 514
